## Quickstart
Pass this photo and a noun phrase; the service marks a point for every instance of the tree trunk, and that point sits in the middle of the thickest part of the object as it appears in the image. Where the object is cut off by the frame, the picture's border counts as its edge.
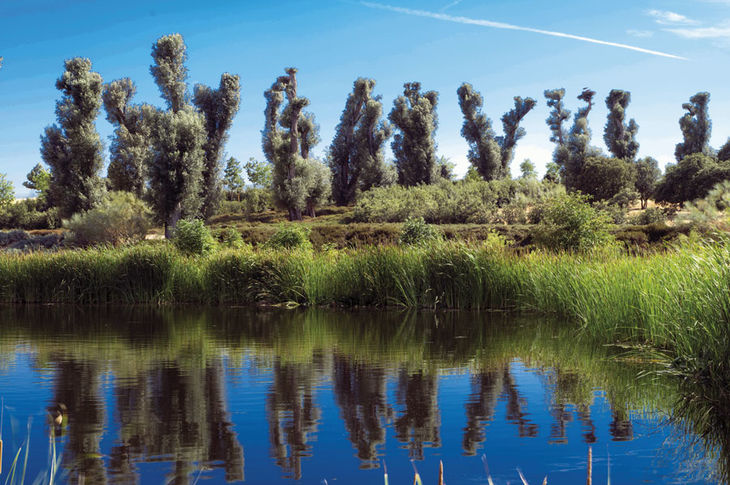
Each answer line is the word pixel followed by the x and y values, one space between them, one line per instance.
pixel 172 221
pixel 295 214
pixel 310 209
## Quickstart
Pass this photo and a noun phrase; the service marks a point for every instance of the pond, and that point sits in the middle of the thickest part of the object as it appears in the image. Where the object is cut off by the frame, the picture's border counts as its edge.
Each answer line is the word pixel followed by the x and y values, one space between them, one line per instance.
pixel 139 395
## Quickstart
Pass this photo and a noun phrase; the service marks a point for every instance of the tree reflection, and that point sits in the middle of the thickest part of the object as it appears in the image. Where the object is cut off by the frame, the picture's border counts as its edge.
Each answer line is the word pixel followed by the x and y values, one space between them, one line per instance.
pixel 419 421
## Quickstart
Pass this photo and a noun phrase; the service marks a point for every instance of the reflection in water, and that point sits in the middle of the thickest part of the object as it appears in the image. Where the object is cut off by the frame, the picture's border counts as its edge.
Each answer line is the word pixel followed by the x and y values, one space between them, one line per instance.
pixel 166 374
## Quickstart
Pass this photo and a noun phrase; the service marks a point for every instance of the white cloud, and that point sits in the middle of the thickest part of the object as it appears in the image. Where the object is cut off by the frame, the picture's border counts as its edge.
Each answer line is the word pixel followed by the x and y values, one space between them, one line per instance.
pixel 640 33
pixel 666 17
pixel 502 25
pixel 702 32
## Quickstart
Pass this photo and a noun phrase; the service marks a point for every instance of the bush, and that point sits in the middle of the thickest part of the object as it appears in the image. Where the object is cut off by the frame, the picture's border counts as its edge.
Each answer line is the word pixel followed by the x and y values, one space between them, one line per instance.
pixel 230 238
pixel 416 232
pixel 569 223
pixel 651 215
pixel 29 214
pixel 121 218
pixel 290 236
pixel 192 237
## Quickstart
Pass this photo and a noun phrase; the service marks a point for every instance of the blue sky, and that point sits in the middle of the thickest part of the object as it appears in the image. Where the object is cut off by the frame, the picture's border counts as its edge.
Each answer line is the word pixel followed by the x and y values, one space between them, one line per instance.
pixel 440 43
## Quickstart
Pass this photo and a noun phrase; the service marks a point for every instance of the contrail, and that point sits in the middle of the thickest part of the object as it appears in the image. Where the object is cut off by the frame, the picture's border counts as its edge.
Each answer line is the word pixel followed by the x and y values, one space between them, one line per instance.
pixel 501 25
pixel 452 4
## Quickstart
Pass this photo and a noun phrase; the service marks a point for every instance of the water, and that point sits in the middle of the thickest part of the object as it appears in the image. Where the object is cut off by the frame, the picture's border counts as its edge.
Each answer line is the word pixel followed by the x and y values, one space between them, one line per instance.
pixel 186 395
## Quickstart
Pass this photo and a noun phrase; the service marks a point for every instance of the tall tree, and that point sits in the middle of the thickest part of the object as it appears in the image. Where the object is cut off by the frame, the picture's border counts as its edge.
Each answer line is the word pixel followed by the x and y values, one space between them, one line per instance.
pixel 414 147
pixel 620 137
pixel 287 138
pixel 130 148
pixel 577 149
pixel 72 148
pixel 696 127
pixel 178 136
pixel 219 107
pixel 356 154
pixel 491 155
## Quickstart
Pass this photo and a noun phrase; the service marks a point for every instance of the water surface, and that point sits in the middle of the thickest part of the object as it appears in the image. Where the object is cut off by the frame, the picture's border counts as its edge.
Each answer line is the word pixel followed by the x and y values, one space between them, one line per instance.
pixel 272 396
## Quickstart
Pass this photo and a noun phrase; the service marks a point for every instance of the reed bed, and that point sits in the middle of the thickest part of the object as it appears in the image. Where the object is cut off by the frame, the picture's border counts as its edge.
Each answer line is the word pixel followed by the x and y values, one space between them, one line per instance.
pixel 677 300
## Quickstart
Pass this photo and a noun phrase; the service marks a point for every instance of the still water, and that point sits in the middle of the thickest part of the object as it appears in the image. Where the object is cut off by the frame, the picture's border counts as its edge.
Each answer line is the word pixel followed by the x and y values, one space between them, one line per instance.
pixel 271 396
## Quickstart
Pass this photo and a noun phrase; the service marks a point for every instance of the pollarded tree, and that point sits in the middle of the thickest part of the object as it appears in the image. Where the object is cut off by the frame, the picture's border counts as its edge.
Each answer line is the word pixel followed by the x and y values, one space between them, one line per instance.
pixel 178 136
pixel 696 127
pixel 490 154
pixel 130 148
pixel 414 147
pixel 287 139
pixel 578 148
pixel 559 135
pixel 647 176
pixel 356 154
pixel 219 107
pixel 620 137
pixel 73 149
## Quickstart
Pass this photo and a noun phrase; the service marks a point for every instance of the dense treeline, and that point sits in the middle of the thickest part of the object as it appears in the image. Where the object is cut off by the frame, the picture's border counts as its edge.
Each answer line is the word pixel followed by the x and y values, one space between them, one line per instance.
pixel 173 157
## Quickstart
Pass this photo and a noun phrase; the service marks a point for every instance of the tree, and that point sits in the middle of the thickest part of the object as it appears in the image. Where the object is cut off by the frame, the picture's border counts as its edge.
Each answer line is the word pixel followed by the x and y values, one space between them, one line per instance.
pixel 696 127
pixel 233 176
pixel 178 136
pixel 558 115
pixel 319 184
pixel 604 177
pixel 691 178
pixel 619 136
pixel 38 179
pixel 219 107
pixel 287 138
pixel 258 173
pixel 72 148
pixel 724 152
pixel 356 154
pixel 7 192
pixel 570 154
pixel 414 147
pixel 130 148
pixel 527 168
pixel 647 176
pixel 552 173
pixel 490 154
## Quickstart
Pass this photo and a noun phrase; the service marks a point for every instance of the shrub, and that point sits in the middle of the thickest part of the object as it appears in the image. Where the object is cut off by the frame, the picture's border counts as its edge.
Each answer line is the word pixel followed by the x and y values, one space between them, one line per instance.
pixel 651 215
pixel 192 237
pixel 230 238
pixel 616 213
pixel 416 232
pixel 121 218
pixel 290 236
pixel 569 223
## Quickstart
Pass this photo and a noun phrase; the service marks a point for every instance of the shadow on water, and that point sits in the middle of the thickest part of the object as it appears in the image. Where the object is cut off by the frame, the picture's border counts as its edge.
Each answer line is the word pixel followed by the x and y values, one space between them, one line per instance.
pixel 169 369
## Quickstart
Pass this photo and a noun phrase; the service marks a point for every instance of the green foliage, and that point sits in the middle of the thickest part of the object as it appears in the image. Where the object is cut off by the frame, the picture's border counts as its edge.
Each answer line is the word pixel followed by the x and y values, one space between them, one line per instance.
pixel 356 154
pixel 647 177
pixel 603 178
pixel 691 178
pixel 652 215
pixel 287 138
pixel 258 173
pixel 38 179
pixel 696 127
pixel 414 146
pixel 417 232
pixel 130 148
pixel 490 154
pixel 169 71
pixel 713 207
pixel 191 236
pixel 73 149
pixel 552 173
pixel 619 136
pixel 230 238
pixel 120 218
pixel 558 115
pixel 572 150
pixel 527 169
pixel 219 106
pixel 290 236
pixel 569 223
pixel 7 192
pixel 29 214
pixel 318 178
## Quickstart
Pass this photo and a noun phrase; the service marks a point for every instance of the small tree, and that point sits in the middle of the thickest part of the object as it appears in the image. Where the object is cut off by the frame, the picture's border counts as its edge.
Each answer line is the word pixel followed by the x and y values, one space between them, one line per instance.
pixel 258 173
pixel 647 176
pixel 7 192
pixel 219 107
pixel 490 154
pixel 696 127
pixel 527 168
pixel 72 149
pixel 569 223
pixel 38 179
pixel 603 177
pixel 691 178
pixel 414 147
pixel 233 176
pixel 130 149
pixel 356 154
pixel 620 137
